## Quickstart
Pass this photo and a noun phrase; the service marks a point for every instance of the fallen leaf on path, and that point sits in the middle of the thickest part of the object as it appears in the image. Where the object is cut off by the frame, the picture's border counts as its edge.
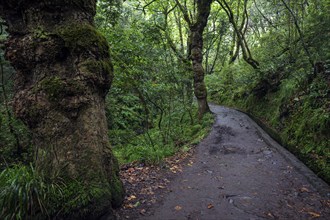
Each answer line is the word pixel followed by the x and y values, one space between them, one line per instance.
pixel 131 170
pixel 147 191
pixel 314 214
pixel 326 202
pixel 144 182
pixel 210 206
pixel 178 208
pixel 303 189
pixel 129 206
pixel 176 169
pixel 290 206
pixel 143 211
pixel 270 215
pixel 132 197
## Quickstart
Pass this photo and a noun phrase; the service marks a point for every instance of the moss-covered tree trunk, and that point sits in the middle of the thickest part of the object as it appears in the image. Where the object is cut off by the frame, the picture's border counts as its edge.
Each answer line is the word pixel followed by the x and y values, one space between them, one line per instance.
pixel 196 38
pixel 195 49
pixel 63 73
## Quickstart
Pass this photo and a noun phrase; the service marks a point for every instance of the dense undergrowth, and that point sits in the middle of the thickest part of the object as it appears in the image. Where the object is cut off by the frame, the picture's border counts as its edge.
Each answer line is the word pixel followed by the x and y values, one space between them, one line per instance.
pixel 28 194
pixel 178 134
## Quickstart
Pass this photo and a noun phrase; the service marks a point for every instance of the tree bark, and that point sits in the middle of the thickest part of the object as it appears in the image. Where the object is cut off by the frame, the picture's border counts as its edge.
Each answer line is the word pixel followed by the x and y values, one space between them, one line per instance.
pixel 196 37
pixel 63 73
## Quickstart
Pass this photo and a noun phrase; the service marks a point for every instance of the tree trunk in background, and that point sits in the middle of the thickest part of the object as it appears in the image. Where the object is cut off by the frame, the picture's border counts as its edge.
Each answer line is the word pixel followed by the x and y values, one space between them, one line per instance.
pixel 63 73
pixel 196 38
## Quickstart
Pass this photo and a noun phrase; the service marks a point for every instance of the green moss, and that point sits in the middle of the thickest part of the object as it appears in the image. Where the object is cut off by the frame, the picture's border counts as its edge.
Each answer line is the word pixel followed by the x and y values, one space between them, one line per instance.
pixel 53 86
pixel 57 88
pixel 40 33
pixel 102 66
pixel 82 37
pixel 117 191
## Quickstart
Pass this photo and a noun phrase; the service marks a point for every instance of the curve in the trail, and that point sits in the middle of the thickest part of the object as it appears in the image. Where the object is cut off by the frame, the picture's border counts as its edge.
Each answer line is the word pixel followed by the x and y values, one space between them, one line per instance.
pixel 241 173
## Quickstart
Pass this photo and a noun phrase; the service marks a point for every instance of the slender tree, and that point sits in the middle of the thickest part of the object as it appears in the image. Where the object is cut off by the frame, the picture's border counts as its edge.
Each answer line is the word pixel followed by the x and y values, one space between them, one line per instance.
pixel 63 73
pixel 197 25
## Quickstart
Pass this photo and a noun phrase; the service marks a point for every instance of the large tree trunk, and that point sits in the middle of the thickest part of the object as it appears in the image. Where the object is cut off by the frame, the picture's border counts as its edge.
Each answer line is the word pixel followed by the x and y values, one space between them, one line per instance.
pixel 196 38
pixel 63 75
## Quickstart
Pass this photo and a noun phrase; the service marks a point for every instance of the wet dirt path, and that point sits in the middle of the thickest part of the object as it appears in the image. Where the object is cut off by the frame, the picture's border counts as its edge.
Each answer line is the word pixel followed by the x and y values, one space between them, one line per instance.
pixel 240 173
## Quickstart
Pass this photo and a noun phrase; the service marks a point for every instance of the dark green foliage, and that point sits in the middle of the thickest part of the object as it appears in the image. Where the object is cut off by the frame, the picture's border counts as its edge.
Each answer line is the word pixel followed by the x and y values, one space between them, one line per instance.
pixel 8 142
pixel 108 12
pixel 15 143
pixel 149 104
pixel 21 193
pixel 149 107
pixel 25 193
pixel 153 147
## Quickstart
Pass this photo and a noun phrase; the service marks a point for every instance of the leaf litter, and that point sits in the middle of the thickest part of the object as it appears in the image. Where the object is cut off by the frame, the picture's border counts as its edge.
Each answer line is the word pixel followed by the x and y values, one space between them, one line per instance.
pixel 146 184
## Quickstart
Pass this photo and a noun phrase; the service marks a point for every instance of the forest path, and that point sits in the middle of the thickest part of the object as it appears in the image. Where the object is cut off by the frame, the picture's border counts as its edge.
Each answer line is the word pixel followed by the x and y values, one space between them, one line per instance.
pixel 240 173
